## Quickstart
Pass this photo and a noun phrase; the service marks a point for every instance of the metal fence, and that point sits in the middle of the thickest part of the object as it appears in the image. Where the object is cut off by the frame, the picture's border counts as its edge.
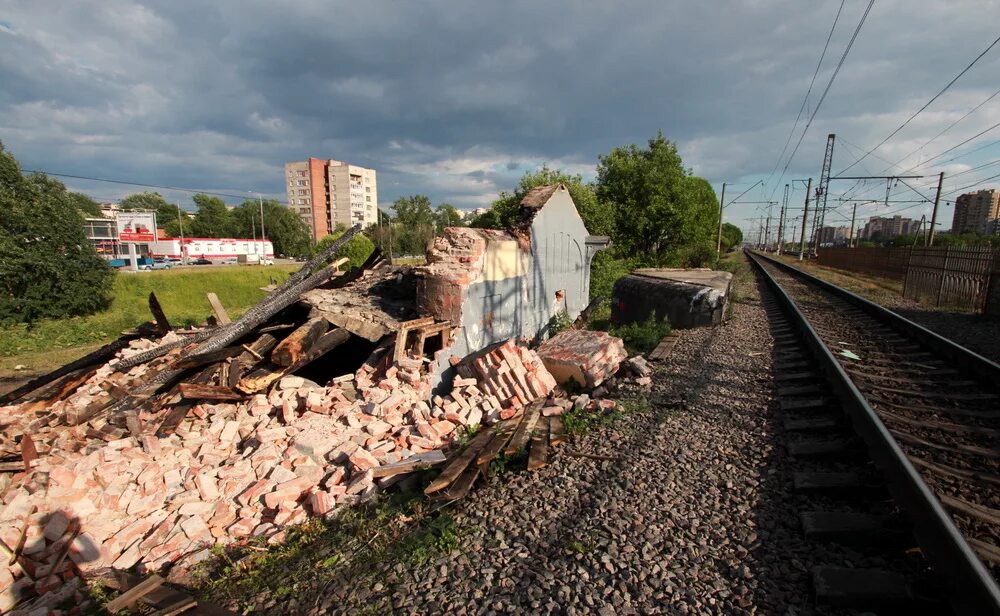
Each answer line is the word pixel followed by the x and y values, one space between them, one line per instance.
pixel 943 276
pixel 958 277
pixel 887 262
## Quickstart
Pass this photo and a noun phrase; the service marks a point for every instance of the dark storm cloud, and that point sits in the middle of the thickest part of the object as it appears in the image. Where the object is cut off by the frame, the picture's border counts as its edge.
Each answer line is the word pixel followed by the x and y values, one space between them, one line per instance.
pixel 458 99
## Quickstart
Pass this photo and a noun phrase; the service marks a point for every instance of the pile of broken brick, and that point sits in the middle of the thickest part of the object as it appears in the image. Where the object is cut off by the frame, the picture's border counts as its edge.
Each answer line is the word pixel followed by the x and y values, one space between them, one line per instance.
pixel 168 444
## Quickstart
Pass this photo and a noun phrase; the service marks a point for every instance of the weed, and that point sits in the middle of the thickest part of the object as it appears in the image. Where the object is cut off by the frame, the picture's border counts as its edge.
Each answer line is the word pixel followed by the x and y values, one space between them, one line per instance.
pixel 559 322
pixel 582 421
pixel 642 337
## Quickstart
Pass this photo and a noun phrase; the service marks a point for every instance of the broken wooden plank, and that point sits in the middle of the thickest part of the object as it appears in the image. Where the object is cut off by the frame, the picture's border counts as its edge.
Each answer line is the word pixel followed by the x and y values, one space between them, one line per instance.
pixel 23 537
pixel 195 391
pixel 412 464
pixel 459 464
pixel 162 324
pixel 539 454
pixel 500 439
pixel 218 309
pixel 260 379
pixel 403 332
pixel 234 373
pixel 298 343
pixel 327 342
pixel 181 605
pixel 460 488
pixel 663 349
pixel 131 596
pixel 209 358
pixel 557 431
pixel 523 432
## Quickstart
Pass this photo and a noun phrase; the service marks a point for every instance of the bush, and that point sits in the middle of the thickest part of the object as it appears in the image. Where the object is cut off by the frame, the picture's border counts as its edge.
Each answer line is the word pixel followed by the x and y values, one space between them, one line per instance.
pixel 357 249
pixel 641 338
pixel 605 270
pixel 700 254
pixel 48 268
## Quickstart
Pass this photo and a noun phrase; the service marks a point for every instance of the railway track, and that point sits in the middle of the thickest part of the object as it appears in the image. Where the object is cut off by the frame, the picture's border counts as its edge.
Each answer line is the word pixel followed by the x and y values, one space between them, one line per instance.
pixel 924 410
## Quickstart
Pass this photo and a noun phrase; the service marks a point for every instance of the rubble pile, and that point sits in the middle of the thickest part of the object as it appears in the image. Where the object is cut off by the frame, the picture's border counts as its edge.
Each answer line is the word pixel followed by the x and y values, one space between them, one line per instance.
pixel 587 357
pixel 197 437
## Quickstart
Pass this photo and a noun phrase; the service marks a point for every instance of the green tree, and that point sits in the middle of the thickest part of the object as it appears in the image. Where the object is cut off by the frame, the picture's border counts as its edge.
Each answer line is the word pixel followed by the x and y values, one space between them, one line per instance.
pixel 659 208
pixel 357 249
pixel 87 207
pixel 732 236
pixel 446 215
pixel 415 224
pixel 288 234
pixel 505 210
pixel 212 219
pixel 48 269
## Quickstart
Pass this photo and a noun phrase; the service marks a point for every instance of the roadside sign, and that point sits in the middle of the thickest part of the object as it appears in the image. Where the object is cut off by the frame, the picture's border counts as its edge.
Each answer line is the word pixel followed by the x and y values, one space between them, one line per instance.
pixel 136 226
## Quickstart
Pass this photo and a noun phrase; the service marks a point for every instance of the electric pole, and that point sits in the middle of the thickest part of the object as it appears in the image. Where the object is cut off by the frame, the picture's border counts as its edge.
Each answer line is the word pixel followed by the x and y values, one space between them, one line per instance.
pixel 767 230
pixel 805 219
pixel 263 238
pixel 781 222
pixel 180 221
pixel 824 184
pixel 937 199
pixel 850 238
pixel 722 201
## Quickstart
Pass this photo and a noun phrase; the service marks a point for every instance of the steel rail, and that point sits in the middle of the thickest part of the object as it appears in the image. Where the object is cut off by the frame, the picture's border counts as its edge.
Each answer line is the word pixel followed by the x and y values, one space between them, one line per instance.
pixel 973 589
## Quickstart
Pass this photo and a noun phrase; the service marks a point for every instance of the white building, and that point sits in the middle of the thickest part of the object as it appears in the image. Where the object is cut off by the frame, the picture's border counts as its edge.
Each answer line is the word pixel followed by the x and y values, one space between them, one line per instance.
pixel 327 193
pixel 211 248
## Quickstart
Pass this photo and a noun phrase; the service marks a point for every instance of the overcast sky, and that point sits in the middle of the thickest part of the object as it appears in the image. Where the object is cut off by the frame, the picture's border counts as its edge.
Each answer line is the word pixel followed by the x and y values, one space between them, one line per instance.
pixel 456 99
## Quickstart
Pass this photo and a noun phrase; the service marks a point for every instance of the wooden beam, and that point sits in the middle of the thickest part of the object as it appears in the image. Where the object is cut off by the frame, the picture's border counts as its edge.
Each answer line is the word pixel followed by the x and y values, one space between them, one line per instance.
pixel 460 489
pixel 539 455
pixel 162 324
pixel 208 358
pixel 523 432
pixel 131 596
pixel 218 309
pixel 459 464
pixel 298 343
pixel 23 537
pixel 496 445
pixel 195 391
pixel 412 464
pixel 403 332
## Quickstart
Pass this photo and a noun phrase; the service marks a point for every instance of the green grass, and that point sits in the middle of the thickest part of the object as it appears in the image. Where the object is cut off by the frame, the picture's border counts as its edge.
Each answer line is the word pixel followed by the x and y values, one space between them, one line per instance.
pixel 578 422
pixel 354 547
pixel 181 293
pixel 641 338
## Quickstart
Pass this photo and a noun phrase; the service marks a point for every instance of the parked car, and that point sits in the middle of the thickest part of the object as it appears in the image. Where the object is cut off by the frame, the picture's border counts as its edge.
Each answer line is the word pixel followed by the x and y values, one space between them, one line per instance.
pixel 201 261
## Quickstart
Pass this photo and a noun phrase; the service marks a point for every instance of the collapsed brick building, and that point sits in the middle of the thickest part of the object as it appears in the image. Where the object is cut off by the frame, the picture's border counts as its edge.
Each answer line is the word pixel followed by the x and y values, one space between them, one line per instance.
pixel 496 285
pixel 146 452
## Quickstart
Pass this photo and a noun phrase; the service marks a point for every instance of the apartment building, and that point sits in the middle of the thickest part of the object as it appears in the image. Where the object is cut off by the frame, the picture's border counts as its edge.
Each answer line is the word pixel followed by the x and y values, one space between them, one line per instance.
pixel 975 212
pixel 832 236
pixel 326 193
pixel 879 227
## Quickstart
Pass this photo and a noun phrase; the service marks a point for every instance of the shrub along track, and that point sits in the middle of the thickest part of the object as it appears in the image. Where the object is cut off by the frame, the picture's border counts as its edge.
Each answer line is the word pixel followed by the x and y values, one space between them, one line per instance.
pixel 936 430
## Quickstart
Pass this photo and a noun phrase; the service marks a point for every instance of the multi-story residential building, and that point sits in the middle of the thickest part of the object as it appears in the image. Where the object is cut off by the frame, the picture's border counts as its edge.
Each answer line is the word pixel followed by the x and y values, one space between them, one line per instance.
pixel 327 193
pixel 878 227
pixel 974 212
pixel 832 236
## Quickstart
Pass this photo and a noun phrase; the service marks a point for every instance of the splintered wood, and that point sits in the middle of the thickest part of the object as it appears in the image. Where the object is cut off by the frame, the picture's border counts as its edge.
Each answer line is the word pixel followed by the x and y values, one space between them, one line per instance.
pixel 529 431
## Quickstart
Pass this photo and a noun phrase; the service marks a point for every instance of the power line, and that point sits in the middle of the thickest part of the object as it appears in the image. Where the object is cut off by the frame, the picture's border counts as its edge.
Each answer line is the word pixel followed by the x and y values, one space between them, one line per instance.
pixel 805 99
pixel 948 128
pixel 187 190
pixel 926 105
pixel 826 91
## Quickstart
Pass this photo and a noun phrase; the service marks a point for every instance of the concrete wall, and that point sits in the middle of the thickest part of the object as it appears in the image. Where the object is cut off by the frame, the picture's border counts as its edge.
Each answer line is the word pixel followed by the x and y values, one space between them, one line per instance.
pixel 498 286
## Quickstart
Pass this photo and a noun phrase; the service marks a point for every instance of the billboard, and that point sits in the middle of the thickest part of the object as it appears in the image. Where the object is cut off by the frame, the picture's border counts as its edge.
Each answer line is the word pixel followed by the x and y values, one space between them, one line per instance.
pixel 136 226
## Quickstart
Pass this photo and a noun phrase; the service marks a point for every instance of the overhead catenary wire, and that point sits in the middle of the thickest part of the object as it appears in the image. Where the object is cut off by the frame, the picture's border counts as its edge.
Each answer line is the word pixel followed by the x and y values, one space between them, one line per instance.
pixel 925 106
pixel 140 184
pixel 819 104
pixel 805 99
